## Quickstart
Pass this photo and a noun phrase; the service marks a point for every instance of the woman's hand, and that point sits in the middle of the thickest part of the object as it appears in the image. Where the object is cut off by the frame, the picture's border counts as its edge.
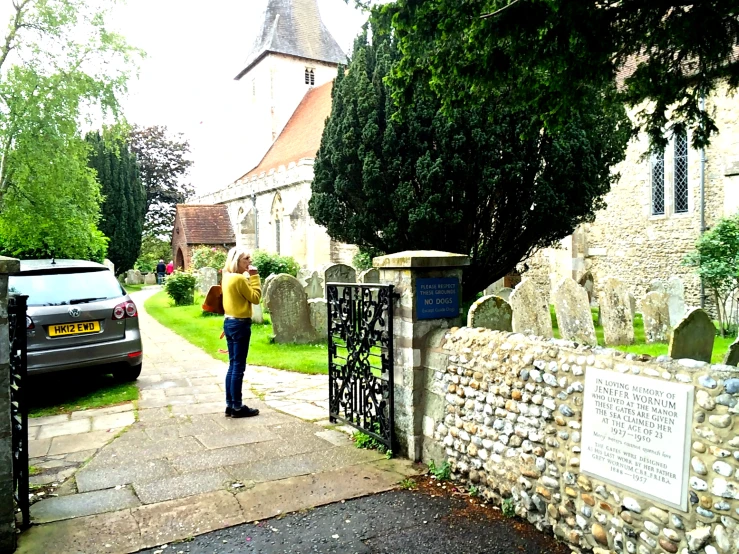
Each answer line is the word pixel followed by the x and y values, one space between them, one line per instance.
pixel 252 270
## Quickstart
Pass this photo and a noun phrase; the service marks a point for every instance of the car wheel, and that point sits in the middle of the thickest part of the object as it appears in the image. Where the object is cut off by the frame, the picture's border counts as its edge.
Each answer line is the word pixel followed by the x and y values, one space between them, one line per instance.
pixel 127 373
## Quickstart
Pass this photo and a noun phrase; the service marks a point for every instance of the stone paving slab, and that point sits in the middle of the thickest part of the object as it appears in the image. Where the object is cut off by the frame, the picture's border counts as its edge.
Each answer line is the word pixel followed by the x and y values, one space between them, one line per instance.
pixel 112 533
pixel 222 457
pixel 85 504
pixel 113 421
pixel 38 448
pixel 47 420
pixel 96 479
pixel 127 407
pixel 115 454
pixel 65 428
pixel 298 493
pixel 224 439
pixel 69 444
pixel 186 517
pixel 181 485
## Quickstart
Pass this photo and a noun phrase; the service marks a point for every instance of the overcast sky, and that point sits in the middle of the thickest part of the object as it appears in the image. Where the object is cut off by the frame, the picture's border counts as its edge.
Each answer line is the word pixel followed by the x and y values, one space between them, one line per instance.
pixel 195 49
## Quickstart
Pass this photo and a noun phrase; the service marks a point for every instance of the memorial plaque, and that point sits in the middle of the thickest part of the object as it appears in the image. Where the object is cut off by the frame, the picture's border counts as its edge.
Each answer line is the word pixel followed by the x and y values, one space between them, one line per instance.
pixel 437 298
pixel 636 433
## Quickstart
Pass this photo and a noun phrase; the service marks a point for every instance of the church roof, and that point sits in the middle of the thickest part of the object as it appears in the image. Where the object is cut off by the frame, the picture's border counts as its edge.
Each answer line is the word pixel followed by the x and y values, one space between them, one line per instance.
pixel 301 137
pixel 204 224
pixel 295 28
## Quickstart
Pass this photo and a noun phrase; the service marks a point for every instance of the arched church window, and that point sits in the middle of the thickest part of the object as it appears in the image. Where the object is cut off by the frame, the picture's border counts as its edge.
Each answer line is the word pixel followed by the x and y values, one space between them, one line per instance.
pixel 307 76
pixel 310 77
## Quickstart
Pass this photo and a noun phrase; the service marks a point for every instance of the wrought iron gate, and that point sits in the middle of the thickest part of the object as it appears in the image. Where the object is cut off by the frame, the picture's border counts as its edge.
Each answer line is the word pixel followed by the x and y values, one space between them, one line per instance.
pixel 18 405
pixel 360 358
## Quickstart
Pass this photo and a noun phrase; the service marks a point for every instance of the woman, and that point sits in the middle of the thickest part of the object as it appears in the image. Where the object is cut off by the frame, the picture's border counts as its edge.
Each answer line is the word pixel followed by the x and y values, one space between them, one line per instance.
pixel 241 288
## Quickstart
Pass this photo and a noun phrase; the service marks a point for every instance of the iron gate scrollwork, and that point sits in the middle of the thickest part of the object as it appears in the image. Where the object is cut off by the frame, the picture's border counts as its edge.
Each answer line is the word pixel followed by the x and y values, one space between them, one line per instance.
pixel 18 405
pixel 360 352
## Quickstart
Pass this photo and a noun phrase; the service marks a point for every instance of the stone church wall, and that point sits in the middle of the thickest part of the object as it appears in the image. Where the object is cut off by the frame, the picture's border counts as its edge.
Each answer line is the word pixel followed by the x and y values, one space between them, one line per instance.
pixel 506 412
pixel 627 242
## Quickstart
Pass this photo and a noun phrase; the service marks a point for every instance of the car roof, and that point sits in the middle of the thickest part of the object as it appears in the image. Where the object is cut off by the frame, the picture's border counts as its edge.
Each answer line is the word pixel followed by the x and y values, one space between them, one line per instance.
pixel 51 265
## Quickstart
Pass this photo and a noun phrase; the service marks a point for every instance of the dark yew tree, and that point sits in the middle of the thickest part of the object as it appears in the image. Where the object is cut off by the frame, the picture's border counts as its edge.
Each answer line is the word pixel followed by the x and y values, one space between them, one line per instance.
pixel 164 164
pixel 668 53
pixel 491 181
pixel 124 199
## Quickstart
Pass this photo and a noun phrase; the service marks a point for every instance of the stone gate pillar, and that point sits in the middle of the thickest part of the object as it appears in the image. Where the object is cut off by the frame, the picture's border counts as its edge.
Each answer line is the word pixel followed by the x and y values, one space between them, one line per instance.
pixel 429 285
pixel 7 516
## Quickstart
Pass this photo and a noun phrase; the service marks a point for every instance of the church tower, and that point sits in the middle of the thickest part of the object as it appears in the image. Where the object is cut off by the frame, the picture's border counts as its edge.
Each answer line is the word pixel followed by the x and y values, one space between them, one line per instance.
pixel 292 53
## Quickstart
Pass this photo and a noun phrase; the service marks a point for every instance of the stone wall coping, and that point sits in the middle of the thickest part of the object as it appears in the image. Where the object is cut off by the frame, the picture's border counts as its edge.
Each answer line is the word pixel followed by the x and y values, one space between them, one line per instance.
pixel 421 259
pixel 9 265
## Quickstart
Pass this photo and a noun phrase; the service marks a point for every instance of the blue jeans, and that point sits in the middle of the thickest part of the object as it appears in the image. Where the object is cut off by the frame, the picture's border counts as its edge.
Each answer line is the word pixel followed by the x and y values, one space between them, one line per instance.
pixel 238 333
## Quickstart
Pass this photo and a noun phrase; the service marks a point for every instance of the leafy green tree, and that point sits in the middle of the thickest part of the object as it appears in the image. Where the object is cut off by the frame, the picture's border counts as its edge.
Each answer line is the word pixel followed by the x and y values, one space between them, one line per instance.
pixel 268 263
pixel 124 199
pixel 208 256
pixel 59 66
pixel 716 261
pixel 153 249
pixel 490 181
pixel 164 166
pixel 670 53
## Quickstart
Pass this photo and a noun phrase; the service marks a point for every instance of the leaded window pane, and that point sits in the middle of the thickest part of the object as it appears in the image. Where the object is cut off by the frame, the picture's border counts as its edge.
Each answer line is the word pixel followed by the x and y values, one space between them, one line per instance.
pixel 658 184
pixel 681 173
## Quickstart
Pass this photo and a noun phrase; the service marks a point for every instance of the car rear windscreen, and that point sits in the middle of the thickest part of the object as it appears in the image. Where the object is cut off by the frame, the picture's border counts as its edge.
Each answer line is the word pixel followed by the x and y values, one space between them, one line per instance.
pixel 59 289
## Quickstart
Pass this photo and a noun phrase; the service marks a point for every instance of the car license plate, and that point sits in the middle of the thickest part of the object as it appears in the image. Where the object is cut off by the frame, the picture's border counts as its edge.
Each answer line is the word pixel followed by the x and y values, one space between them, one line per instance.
pixel 79 328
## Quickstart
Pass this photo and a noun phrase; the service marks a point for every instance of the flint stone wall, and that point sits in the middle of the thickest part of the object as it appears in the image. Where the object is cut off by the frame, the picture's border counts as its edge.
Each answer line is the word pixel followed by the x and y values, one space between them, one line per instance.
pixel 506 411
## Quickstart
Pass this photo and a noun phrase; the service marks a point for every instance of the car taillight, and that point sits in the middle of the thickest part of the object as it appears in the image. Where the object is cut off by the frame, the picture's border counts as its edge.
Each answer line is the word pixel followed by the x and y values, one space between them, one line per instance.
pixel 29 323
pixel 125 309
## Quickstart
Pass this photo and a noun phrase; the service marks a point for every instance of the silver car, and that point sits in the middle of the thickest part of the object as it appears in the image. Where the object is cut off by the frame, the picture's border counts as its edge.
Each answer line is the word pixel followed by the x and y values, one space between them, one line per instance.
pixel 78 316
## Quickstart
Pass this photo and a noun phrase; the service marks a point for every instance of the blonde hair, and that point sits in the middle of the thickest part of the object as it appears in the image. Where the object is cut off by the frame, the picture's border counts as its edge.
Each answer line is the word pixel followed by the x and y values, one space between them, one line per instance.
pixel 232 260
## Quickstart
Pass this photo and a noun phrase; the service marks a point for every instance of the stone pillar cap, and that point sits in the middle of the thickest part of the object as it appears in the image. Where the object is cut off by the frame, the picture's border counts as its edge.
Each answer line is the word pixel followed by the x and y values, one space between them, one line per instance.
pixel 421 259
pixel 9 265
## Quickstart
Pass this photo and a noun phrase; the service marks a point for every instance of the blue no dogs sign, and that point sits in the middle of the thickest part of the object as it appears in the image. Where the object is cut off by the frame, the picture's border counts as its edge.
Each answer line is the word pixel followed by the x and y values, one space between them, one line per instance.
pixel 437 298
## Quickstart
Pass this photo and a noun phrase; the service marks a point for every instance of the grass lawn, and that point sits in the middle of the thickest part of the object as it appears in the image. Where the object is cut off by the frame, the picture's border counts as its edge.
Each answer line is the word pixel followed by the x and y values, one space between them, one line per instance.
pixel 205 331
pixel 720 345
pixel 69 391
pixel 133 288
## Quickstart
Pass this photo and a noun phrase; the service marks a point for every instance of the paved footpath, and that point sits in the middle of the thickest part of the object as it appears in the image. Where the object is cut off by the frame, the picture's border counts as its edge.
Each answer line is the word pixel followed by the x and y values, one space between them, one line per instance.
pixel 174 467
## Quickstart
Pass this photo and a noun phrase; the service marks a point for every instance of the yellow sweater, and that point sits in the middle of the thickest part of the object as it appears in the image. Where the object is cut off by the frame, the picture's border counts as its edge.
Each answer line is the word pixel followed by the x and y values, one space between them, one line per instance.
pixel 239 293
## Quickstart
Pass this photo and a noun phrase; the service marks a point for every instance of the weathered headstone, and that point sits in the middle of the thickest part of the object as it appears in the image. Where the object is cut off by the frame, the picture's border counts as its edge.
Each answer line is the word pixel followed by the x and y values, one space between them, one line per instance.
pixel 371 275
pixel 257 314
pixel 303 274
pixel 491 312
pixel 493 288
pixel 732 354
pixel 530 311
pixel 265 286
pixel 288 305
pixel 138 277
pixel 130 277
pixel 675 300
pixel 615 313
pixel 110 265
pixel 588 283
pixel 632 304
pixel 339 273
pixel 504 293
pixel 207 277
pixel 150 279
pixel 574 318
pixel 656 317
pixel 693 337
pixel 656 285
pixel 313 285
pixel 319 316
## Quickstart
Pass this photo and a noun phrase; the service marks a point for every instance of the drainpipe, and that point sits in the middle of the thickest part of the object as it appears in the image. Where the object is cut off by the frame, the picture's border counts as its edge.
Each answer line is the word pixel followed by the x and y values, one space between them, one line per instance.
pixel 703 200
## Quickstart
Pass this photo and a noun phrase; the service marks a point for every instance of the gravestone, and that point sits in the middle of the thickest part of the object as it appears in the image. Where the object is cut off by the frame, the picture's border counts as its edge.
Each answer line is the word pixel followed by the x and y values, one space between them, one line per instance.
pixel 657 285
pixel 588 283
pixel 303 274
pixel 288 305
pixel 257 314
pixel 491 312
pixel 207 277
pixel 130 278
pixel 150 279
pixel 371 275
pixel 732 354
pixel 138 277
pixel 265 286
pixel 632 304
pixel 574 318
pixel 615 313
pixel 339 273
pixel 504 293
pixel 313 285
pixel 656 317
pixel 530 311
pixel 675 300
pixel 110 265
pixel 693 337
pixel 319 316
